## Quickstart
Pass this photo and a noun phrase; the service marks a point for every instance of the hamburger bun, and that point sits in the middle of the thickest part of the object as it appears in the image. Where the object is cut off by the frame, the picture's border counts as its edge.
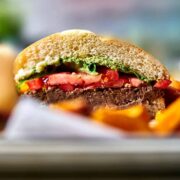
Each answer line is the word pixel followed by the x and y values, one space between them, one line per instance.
pixel 83 44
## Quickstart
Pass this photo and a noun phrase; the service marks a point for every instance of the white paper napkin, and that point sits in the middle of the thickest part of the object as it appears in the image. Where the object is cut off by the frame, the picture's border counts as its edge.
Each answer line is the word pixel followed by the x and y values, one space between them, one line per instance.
pixel 31 120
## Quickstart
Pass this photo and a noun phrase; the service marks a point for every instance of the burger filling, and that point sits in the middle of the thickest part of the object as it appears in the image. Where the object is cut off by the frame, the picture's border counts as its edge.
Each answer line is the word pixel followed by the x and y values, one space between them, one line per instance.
pixel 69 78
pixel 97 84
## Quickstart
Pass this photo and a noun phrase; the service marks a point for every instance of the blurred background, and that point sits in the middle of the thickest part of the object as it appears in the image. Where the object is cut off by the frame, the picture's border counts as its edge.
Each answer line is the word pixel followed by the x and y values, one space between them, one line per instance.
pixel 153 25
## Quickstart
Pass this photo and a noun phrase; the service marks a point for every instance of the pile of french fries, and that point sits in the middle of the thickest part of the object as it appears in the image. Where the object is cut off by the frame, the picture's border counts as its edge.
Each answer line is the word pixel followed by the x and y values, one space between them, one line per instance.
pixel 132 120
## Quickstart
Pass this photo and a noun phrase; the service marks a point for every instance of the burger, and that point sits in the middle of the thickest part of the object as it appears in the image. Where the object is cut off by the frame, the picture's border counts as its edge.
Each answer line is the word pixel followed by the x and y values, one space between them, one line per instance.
pixel 104 71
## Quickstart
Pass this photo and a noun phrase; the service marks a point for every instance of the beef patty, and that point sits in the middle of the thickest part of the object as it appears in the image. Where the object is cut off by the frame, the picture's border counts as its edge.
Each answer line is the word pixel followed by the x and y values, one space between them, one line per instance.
pixel 120 98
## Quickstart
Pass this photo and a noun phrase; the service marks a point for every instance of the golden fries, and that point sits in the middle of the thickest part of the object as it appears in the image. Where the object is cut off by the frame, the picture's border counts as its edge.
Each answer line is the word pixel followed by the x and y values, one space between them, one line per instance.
pixel 8 95
pixel 175 84
pixel 76 106
pixel 134 119
pixel 168 120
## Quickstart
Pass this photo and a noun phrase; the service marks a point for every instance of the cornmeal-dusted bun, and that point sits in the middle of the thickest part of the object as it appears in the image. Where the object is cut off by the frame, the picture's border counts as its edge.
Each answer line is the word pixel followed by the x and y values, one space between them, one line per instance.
pixel 89 47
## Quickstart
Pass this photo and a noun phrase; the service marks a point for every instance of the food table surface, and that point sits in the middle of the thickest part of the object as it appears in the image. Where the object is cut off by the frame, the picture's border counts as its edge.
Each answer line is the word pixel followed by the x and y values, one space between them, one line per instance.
pixel 128 158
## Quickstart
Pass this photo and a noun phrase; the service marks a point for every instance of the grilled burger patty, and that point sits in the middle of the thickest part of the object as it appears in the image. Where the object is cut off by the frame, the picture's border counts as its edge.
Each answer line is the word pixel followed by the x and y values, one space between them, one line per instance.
pixel 115 97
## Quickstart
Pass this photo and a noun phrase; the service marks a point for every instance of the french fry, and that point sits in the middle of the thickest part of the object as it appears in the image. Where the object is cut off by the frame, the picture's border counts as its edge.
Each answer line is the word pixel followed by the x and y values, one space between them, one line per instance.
pixel 76 106
pixel 175 84
pixel 8 95
pixel 133 119
pixel 168 120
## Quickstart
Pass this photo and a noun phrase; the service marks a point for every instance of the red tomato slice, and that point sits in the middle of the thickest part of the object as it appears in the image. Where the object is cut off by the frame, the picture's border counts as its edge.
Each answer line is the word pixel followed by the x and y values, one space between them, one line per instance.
pixel 135 82
pixel 110 75
pixel 64 78
pixel 73 79
pixel 162 84
pixel 94 85
pixel 90 79
pixel 120 82
pixel 67 87
pixel 35 84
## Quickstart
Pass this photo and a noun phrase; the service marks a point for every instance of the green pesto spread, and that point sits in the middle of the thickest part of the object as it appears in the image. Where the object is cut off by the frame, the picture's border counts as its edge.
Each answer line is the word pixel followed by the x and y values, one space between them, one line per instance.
pixel 87 64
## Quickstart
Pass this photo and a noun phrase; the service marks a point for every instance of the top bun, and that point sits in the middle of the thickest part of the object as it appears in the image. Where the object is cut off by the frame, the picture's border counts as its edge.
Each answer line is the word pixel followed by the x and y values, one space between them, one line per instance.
pixel 84 44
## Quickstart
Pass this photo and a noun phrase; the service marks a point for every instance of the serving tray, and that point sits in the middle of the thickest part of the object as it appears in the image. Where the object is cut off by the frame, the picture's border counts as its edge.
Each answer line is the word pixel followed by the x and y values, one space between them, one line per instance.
pixel 91 157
